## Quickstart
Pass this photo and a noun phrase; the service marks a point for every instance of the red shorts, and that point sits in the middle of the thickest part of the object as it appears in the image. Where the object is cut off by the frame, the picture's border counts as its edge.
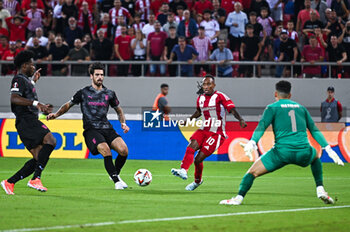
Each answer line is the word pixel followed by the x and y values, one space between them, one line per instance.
pixel 208 141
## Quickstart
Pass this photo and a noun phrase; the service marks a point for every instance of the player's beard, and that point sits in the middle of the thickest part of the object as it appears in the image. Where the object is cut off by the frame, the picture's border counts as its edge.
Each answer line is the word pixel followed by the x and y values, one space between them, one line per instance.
pixel 98 82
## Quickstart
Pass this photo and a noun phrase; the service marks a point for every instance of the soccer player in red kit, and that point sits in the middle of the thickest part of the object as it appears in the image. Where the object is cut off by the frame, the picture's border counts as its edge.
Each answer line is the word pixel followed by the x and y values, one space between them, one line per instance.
pixel 213 105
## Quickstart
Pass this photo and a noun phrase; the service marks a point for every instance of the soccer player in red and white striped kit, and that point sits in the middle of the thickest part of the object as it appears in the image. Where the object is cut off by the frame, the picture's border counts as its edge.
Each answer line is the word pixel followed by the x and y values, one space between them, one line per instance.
pixel 213 105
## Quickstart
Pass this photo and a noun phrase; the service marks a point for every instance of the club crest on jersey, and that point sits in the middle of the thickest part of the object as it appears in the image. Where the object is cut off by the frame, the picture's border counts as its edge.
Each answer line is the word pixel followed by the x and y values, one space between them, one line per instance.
pixel 15 85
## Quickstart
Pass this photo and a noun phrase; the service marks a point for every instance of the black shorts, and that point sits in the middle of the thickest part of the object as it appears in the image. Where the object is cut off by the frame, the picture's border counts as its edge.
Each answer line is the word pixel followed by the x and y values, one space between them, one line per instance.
pixel 31 131
pixel 94 137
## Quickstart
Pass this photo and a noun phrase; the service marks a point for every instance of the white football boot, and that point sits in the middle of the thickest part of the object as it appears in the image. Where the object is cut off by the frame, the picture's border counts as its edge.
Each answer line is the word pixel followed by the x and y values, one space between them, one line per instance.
pixel 193 186
pixel 323 195
pixel 233 201
pixel 121 182
pixel 182 173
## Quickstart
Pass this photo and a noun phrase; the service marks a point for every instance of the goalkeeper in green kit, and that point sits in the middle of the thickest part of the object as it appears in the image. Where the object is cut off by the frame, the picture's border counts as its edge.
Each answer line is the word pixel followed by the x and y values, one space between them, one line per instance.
pixel 289 121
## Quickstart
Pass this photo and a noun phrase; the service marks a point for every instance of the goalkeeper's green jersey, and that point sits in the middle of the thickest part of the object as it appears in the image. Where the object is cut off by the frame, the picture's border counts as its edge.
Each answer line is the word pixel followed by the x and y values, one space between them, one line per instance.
pixel 289 122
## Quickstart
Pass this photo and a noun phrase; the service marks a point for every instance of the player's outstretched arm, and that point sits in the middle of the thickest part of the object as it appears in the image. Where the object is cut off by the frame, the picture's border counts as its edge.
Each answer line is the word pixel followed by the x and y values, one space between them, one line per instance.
pixel 121 118
pixel 242 123
pixel 62 110
pixel 21 101
pixel 36 75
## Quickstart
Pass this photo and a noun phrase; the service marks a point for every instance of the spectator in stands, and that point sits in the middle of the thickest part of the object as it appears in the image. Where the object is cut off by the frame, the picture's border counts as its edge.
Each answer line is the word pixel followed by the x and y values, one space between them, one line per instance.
pixel 170 43
pixel 186 53
pixel 122 51
pixel 163 13
pixel 25 5
pixel 211 27
pixel 179 14
pixel 131 32
pixel 341 7
pixel 142 8
pixel 250 51
pixel 72 32
pixel 86 42
pixel 3 30
pixel 50 38
pixel 138 24
pixel 118 10
pixel 199 19
pixel 69 10
pixel 223 55
pixel 9 55
pixel 276 50
pixel 228 5
pixel 149 27
pixel 320 6
pixel 40 54
pixel 4 13
pixel 200 6
pixel 36 17
pixel 118 28
pixel 138 47
pixel 78 53
pixel 57 52
pixel 130 6
pixel 13 6
pixel 39 34
pixel 170 23
pixel 187 27
pixel 236 21
pixel 91 4
pixel 344 38
pixel 291 33
pixel 310 25
pixel 156 4
pixel 17 27
pixel 311 53
pixel 258 28
pixel 203 46
pixel 106 26
pixel 105 5
pixel 267 22
pixel 276 10
pixel 288 52
pixel 58 23
pixel 4 44
pixel 19 46
pixel 304 15
pixel 256 6
pixel 175 3
pixel 335 24
pixel 101 48
pixel 336 53
pixel 85 19
pixel 155 48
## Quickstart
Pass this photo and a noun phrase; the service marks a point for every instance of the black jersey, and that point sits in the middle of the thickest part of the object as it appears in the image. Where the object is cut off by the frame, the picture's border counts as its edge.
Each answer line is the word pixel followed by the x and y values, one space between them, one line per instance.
pixel 94 105
pixel 24 87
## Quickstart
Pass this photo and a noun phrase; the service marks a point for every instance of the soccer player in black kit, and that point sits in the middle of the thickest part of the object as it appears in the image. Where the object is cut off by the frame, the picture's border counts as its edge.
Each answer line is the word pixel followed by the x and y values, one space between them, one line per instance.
pixel 100 137
pixel 35 136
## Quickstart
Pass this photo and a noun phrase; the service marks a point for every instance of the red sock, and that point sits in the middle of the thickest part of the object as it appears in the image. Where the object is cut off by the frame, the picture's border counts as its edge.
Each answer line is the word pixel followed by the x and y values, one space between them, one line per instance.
pixel 198 173
pixel 188 158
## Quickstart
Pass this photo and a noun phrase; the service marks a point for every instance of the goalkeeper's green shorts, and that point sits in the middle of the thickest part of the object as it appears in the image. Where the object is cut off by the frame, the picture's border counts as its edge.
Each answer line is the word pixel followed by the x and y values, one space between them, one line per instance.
pixel 276 158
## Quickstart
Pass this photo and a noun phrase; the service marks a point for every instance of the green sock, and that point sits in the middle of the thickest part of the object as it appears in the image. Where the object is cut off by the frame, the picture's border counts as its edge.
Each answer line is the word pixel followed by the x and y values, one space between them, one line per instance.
pixel 246 183
pixel 316 168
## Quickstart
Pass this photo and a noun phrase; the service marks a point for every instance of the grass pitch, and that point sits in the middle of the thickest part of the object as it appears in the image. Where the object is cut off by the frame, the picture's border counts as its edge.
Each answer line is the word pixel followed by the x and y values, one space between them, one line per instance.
pixel 80 192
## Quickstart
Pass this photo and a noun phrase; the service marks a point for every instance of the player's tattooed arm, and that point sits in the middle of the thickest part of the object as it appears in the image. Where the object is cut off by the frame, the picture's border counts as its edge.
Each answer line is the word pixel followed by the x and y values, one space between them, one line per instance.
pixel 21 101
pixel 238 117
pixel 121 118
pixel 62 110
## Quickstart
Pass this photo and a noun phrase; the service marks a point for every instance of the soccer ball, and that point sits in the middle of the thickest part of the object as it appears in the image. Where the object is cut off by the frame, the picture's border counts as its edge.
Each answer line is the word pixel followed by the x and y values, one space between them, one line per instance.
pixel 143 177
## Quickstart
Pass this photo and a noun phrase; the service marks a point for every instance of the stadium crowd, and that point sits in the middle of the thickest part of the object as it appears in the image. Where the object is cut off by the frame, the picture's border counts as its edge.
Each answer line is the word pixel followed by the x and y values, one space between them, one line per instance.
pixel 186 30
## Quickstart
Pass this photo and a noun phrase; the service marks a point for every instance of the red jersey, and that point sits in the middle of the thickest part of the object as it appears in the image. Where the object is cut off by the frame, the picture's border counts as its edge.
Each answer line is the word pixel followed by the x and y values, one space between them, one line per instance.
pixel 309 54
pixel 91 4
pixel 26 4
pixel 114 13
pixel 157 42
pixel 143 7
pixel 4 31
pixel 124 46
pixel 228 5
pixel 200 6
pixel 17 32
pixel 213 108
pixel 9 56
pixel 156 4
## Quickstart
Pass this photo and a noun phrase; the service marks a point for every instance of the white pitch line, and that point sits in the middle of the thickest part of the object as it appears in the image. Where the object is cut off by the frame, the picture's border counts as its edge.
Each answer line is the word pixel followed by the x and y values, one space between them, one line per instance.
pixel 172 219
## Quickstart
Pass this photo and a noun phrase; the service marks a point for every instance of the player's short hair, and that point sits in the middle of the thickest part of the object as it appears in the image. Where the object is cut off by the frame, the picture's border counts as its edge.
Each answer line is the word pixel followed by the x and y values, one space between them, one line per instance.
pixel 22 58
pixel 164 85
pixel 283 87
pixel 96 66
pixel 209 76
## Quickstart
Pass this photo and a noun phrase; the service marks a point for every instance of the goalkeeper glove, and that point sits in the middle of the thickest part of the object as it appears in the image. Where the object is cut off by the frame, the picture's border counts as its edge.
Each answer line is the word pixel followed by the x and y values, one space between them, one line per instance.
pixel 333 155
pixel 249 148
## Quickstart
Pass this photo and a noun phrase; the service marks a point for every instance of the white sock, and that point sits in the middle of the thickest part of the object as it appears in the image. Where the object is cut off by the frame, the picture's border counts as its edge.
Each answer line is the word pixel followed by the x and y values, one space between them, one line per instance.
pixel 320 189
pixel 239 197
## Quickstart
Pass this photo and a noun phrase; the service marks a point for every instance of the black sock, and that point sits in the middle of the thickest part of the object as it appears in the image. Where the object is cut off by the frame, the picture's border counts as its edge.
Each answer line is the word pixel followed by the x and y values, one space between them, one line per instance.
pixel 119 162
pixel 43 158
pixel 110 168
pixel 25 171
